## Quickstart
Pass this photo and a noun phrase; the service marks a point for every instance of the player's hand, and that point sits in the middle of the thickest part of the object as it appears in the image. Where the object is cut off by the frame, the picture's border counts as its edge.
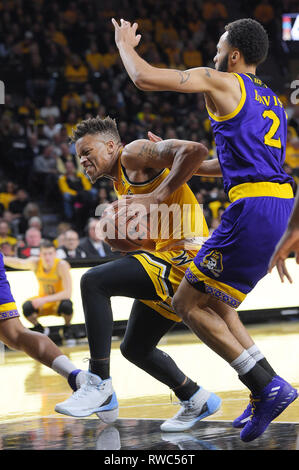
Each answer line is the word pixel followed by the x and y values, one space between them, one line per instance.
pixel 142 204
pixel 289 243
pixel 125 33
pixel 153 137
pixel 37 303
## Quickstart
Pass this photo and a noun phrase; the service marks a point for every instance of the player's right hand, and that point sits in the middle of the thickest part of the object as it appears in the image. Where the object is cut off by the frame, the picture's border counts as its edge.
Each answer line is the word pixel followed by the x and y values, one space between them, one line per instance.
pixel 126 33
pixel 288 244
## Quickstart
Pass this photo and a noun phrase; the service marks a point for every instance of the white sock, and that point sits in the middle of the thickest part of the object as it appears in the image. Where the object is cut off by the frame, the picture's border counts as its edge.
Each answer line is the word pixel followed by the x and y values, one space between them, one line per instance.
pixel 63 366
pixel 243 363
pixel 255 353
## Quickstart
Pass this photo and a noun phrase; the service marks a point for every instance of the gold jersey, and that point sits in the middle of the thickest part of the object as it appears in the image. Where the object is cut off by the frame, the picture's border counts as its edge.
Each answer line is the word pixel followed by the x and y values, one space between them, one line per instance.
pixel 180 217
pixel 49 282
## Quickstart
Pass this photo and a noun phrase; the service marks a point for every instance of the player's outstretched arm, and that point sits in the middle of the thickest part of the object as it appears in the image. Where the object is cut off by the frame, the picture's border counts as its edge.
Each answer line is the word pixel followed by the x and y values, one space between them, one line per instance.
pixel 19 263
pixel 149 78
pixel 181 156
pixel 288 244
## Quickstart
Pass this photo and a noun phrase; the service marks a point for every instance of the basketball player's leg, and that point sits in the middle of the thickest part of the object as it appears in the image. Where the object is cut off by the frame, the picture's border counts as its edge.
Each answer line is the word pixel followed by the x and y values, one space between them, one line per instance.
pixel 144 330
pixel 122 277
pixel 38 346
pixel 208 325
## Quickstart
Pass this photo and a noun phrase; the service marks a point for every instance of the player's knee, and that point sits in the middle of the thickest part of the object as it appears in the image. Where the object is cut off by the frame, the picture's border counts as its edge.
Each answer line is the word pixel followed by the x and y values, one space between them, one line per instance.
pixel 180 306
pixel 92 280
pixel 65 307
pixel 28 308
pixel 129 352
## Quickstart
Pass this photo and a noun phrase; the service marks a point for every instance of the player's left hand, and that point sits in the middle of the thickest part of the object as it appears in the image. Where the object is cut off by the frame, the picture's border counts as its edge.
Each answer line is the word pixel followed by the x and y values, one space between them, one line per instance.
pixel 289 243
pixel 138 203
pixel 126 33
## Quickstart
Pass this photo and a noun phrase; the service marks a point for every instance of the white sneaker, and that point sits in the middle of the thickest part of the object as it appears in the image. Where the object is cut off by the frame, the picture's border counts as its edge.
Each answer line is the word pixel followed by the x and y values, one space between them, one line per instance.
pixel 108 439
pixel 200 405
pixel 95 395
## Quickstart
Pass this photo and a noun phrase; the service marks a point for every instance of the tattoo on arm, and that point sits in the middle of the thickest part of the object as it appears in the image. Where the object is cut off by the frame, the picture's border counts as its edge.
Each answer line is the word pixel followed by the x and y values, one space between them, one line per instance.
pixel 184 76
pixel 208 73
pixel 150 151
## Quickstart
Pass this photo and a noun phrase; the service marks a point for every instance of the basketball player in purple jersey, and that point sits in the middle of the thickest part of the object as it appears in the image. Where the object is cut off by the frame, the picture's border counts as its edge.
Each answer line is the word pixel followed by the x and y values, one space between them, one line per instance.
pixel 249 125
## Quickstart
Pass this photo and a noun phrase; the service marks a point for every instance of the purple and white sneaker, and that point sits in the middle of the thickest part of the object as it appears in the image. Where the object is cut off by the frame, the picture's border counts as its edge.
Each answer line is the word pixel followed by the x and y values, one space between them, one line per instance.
pixel 244 417
pixel 274 398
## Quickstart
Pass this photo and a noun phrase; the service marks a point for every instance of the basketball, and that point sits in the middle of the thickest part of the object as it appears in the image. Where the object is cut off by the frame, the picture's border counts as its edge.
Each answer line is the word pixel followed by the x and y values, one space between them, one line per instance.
pixel 125 233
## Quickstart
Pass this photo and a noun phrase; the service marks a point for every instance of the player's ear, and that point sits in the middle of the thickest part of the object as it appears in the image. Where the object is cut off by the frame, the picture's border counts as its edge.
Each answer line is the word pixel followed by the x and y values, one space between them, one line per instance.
pixel 110 146
pixel 235 56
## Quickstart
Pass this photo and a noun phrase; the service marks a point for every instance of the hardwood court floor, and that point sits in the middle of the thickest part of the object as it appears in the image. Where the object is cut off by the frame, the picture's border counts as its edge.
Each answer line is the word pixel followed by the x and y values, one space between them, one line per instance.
pixel 29 392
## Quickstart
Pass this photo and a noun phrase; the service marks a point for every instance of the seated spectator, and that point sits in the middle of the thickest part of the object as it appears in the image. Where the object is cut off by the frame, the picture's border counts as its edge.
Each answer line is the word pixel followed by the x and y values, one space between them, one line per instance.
pixel 49 109
pixel 51 128
pixel 71 248
pixel 292 148
pixel 191 56
pixel 75 189
pixel 8 194
pixel 76 71
pixel 93 58
pixel 5 235
pixel 31 209
pixel 71 99
pixel 45 174
pixel 31 247
pixel 92 245
pixel 18 204
pixel 221 201
pixel 7 250
pixel 66 156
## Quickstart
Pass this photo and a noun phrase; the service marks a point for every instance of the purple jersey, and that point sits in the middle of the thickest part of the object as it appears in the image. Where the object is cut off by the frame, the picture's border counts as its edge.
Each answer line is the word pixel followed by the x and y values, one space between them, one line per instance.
pixel 8 307
pixel 251 141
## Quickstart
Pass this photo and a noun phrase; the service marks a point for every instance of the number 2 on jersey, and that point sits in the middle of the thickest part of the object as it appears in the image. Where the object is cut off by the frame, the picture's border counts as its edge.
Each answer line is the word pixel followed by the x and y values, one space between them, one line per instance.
pixel 268 139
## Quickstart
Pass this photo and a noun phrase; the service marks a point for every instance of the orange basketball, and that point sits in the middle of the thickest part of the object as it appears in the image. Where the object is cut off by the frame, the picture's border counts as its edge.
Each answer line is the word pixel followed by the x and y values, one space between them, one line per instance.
pixel 125 233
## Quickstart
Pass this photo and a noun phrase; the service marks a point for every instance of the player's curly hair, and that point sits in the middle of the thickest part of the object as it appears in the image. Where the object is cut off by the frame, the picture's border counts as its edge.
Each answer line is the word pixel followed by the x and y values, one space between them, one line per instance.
pixel 106 126
pixel 250 38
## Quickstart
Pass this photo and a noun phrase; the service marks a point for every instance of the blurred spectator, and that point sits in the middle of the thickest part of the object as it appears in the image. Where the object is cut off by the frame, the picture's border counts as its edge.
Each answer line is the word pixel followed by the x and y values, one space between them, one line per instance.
pixel 92 245
pixel 71 248
pixel 49 109
pixel 292 149
pixel 76 71
pixel 8 194
pixel 31 247
pixel 5 235
pixel 76 191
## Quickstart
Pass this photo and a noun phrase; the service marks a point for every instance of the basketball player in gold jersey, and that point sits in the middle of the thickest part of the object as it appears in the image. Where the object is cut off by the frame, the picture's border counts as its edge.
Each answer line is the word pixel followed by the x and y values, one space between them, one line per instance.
pixel 152 277
pixel 55 286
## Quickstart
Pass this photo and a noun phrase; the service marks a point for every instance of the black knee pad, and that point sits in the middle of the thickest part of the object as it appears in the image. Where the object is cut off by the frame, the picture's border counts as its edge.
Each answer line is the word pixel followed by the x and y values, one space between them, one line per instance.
pixel 65 307
pixel 28 308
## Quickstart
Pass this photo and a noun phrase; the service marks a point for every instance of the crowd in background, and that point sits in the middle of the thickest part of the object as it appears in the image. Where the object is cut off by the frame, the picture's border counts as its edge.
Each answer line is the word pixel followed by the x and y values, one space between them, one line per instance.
pixel 60 65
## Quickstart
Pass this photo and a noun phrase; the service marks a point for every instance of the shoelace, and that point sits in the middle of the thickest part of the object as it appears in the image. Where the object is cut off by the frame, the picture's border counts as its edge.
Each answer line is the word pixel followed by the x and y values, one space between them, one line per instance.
pixel 253 402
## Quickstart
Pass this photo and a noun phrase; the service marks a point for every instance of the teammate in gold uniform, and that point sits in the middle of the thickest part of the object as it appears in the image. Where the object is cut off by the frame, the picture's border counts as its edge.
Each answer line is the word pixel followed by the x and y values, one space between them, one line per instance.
pixel 152 277
pixel 55 286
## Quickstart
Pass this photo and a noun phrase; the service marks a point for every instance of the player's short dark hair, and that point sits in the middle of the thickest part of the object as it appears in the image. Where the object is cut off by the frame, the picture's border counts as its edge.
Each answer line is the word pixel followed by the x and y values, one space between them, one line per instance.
pixel 250 38
pixel 96 126
pixel 47 244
